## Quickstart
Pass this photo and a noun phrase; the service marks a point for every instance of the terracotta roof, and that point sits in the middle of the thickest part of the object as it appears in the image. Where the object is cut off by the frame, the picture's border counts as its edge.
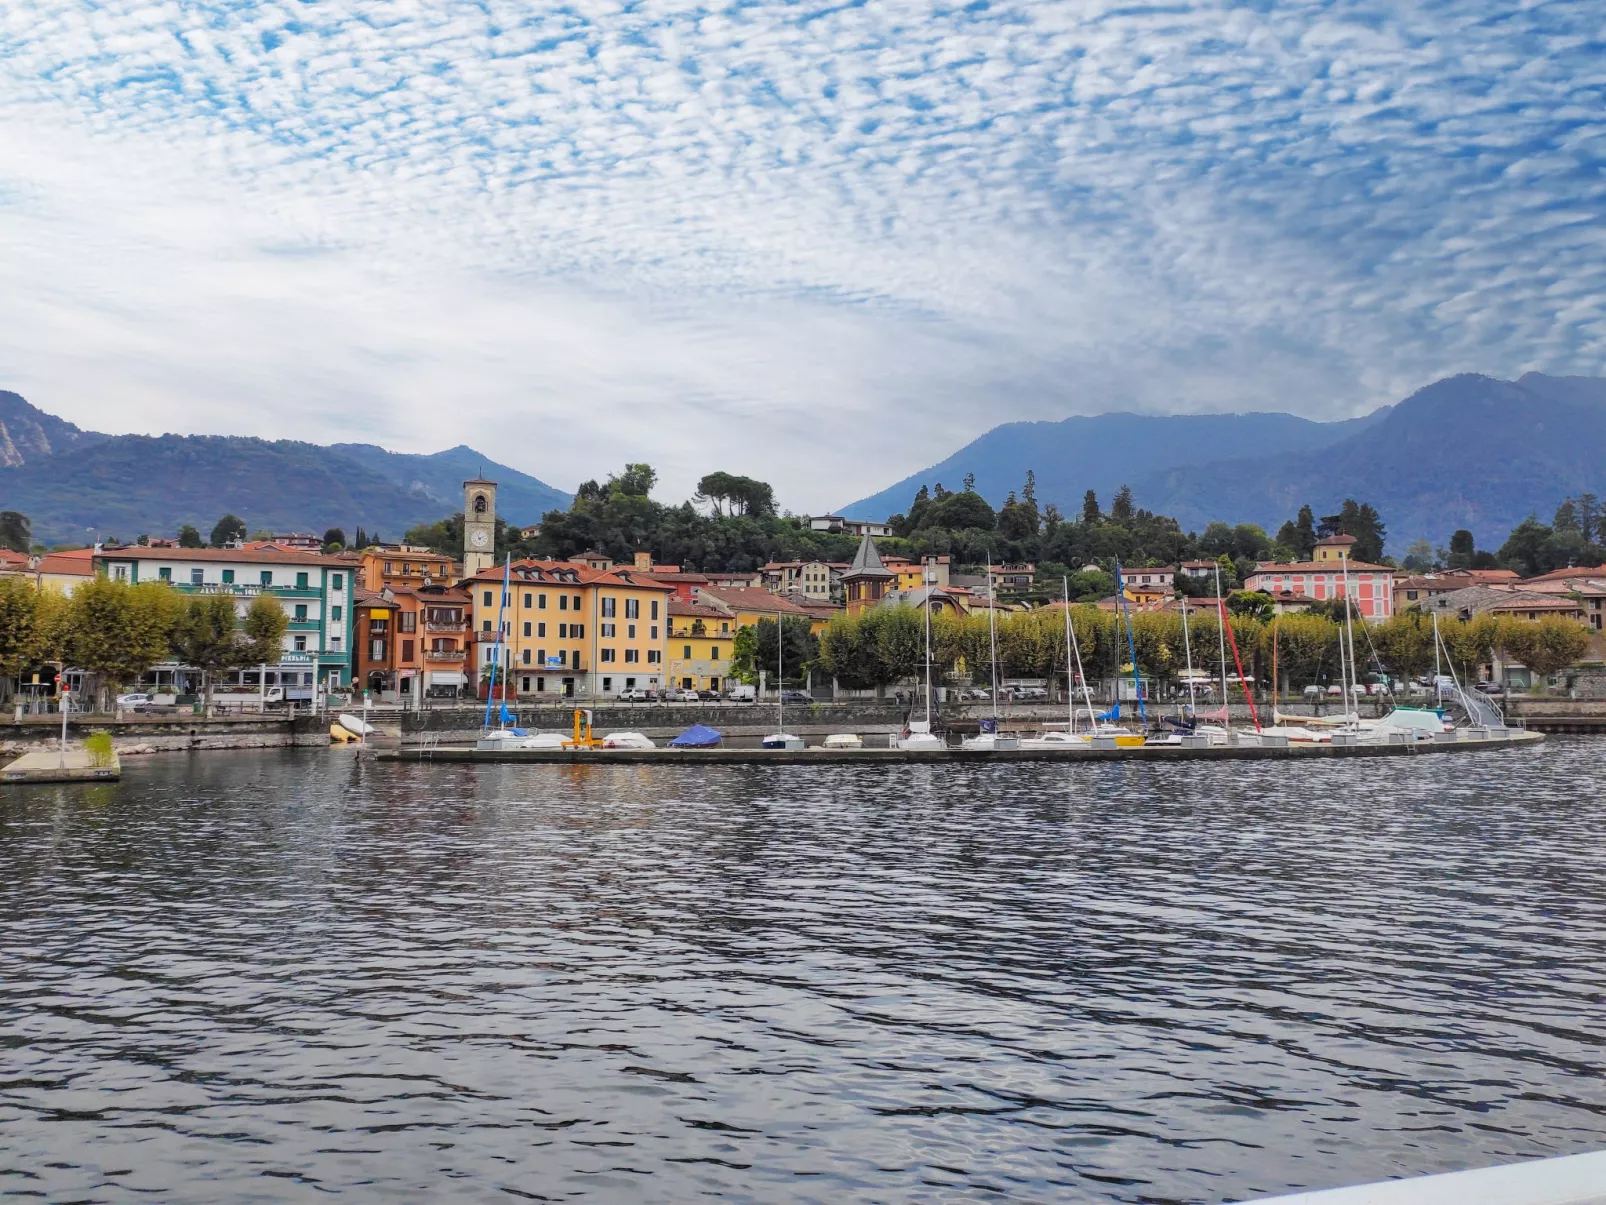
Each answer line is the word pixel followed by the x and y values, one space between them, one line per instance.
pixel 568 573
pixel 1478 600
pixel 750 598
pixel 11 557
pixel 1320 567
pixel 264 556
pixel 678 609
pixel 664 575
pixel 1599 571
pixel 1340 540
pixel 78 563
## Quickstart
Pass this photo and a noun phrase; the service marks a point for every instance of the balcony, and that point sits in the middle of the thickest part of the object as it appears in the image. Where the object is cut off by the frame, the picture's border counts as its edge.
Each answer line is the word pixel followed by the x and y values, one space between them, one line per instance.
pixel 445 656
pixel 448 629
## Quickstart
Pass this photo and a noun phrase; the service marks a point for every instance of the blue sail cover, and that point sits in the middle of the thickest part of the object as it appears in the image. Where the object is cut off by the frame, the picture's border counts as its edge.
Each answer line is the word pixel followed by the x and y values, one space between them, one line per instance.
pixel 698 736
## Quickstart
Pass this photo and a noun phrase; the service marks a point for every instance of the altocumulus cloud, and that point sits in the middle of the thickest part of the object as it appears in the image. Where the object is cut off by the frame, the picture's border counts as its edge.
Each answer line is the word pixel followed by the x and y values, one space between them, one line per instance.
pixel 821 242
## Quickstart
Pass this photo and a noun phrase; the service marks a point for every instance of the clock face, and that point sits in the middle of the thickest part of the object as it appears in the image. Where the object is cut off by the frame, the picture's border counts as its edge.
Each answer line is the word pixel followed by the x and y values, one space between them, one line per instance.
pixel 479 539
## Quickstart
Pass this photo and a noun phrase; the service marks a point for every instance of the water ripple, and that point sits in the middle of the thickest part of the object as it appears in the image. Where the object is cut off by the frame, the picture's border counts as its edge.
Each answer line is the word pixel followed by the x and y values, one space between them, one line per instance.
pixel 271 977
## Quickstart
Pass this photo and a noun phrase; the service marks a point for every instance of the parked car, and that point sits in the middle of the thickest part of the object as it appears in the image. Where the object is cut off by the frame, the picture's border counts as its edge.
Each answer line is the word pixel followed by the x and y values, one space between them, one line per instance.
pixel 1489 688
pixel 1029 694
pixel 796 696
pixel 134 700
pixel 635 696
pixel 742 693
pixel 709 696
pixel 683 696
pixel 1313 692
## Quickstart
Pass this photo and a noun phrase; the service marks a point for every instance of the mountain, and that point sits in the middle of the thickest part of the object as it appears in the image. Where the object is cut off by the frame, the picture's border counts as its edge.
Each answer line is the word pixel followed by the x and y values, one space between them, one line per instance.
pixel 1104 452
pixel 440 476
pixel 1467 451
pixel 74 485
pixel 26 432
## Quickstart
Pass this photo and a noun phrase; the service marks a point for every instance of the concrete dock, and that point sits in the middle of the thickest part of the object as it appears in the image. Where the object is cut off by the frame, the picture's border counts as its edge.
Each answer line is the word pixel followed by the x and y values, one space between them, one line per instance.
pixel 75 764
pixel 1489 739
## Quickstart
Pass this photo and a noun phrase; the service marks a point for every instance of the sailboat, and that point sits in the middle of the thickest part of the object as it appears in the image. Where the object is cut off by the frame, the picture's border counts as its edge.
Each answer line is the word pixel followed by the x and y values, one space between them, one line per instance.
pixel 917 734
pixel 993 739
pixel 780 738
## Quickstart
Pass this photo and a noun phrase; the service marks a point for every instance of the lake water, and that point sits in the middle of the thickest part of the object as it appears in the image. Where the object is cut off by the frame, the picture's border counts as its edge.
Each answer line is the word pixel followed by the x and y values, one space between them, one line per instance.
pixel 280 976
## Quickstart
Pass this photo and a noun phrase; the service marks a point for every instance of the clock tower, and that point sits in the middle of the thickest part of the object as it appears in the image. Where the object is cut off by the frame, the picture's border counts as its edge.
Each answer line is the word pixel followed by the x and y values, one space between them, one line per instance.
pixel 479 526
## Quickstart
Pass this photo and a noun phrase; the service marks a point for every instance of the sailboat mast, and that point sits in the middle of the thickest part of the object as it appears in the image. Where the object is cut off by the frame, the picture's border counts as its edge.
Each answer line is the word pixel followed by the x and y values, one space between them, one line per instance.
pixel 1070 638
pixel 1087 695
pixel 1349 628
pixel 1221 636
pixel 925 578
pixel 992 632
pixel 496 651
pixel 1131 645
pixel 780 691
pixel 1187 650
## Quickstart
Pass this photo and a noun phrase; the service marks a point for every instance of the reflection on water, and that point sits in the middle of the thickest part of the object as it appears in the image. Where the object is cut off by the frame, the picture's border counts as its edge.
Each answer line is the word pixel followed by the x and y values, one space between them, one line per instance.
pixel 270 976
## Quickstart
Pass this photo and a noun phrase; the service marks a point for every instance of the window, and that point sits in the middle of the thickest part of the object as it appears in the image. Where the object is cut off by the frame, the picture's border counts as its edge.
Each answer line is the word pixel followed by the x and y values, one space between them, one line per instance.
pixel 540 657
pixel 577 631
pixel 713 652
pixel 164 573
pixel 608 607
pixel 630 684
pixel 632 655
pixel 605 656
pixel 485 625
pixel 654 656
pixel 576 662
pixel 526 602
pixel 228 577
pixel 301 615
pixel 335 613
pixel 376 650
pixel 652 633
pixel 540 685
pixel 267 577
pixel 563 657
pixel 724 629
pixel 487 598
pixel 540 630
pixel 607 629
pixel 407 649
pixel 339 582
pixel 632 608
pixel 197 576
pixel 686 654
pixel 334 644
pixel 563 602
pixel 526 627
pixel 301 581
pixel 526 684
pixel 576 602
pixel 630 631
pixel 540 602
pixel 409 621
pixel 563 631
pixel 526 659
pixel 390 567
pixel 655 608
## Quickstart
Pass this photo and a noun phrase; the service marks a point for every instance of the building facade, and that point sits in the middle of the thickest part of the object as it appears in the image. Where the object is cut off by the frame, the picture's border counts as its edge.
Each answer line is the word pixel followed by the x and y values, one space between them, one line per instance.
pixel 1371 587
pixel 315 591
pixel 701 640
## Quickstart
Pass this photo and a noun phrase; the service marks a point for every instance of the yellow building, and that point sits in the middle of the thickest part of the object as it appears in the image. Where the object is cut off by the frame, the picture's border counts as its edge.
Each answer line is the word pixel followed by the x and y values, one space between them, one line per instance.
pixel 701 641
pixel 570 630
pixel 746 606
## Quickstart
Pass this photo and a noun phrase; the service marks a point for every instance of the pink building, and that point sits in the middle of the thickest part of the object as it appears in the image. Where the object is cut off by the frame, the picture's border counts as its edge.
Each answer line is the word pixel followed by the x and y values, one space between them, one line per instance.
pixel 1371 587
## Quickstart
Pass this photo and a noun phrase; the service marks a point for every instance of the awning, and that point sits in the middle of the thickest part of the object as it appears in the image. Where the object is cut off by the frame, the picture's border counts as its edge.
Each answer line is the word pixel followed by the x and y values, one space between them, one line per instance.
pixel 444 677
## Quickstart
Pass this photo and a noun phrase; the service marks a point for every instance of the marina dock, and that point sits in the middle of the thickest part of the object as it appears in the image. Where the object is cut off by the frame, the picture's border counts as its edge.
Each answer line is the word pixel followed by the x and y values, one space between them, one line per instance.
pixel 75 764
pixel 1244 750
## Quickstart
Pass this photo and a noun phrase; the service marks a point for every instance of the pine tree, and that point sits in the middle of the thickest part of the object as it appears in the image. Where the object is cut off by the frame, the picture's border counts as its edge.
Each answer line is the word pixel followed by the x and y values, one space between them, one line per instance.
pixel 1090 508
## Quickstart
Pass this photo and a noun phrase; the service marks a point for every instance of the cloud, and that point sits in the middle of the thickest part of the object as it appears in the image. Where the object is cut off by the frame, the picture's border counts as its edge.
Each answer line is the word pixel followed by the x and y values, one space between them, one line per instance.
pixel 823 243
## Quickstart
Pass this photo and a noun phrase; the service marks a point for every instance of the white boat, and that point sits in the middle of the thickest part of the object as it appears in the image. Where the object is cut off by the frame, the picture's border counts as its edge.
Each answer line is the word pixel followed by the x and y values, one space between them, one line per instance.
pixel 517 738
pixel 356 725
pixel 781 740
pixel 627 740
pixel 920 736
pixel 843 740
pixel 992 740
pixel 1052 740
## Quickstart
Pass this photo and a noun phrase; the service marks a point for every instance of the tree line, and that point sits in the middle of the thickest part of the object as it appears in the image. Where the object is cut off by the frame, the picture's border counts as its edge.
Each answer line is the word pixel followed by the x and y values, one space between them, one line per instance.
pixel 115 631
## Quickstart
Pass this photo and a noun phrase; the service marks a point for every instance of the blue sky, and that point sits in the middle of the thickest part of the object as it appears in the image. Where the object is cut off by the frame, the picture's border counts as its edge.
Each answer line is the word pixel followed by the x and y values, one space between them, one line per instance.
pixel 822 243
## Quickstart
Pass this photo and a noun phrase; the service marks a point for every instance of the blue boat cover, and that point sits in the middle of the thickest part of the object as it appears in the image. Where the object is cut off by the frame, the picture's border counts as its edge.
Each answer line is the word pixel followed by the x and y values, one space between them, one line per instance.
pixel 698 736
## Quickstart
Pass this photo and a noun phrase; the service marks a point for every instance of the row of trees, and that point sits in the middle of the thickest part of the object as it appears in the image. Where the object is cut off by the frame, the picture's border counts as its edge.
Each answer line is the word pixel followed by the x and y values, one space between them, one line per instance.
pixel 116 631
pixel 883 645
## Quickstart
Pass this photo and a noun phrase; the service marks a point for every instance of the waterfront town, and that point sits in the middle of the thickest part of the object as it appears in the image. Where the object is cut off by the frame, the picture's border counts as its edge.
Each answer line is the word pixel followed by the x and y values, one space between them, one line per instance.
pixel 405 626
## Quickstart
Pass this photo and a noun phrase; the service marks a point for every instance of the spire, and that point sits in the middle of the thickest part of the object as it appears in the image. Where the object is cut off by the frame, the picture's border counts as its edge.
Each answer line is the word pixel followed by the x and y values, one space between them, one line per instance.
pixel 867 562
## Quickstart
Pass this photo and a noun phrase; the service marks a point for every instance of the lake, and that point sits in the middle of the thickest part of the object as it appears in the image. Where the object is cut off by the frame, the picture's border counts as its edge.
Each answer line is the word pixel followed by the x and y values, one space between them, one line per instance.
pixel 281 975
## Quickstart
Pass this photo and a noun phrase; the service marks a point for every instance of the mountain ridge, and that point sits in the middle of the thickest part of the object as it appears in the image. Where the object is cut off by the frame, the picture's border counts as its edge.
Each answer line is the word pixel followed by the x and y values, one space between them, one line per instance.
pixel 75 485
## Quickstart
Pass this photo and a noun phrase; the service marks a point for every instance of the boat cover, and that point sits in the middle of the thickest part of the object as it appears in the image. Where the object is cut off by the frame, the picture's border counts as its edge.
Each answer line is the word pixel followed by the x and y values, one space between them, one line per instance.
pixel 698 736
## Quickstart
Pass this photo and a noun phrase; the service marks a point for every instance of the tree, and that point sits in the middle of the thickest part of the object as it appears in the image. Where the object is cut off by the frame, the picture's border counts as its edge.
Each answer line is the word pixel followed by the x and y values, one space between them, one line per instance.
pixel 1090 508
pixel 264 625
pixel 1589 518
pixel 1253 604
pixel 1566 518
pixel 334 539
pixel 227 529
pixel 970 483
pixel 1121 508
pixel 1305 533
pixel 1362 521
pixel 1525 549
pixel 188 537
pixel 19 607
pixel 205 636
pixel 15 531
pixel 118 631
pixel 1546 647
pixel 1404 643
pixel 1418 557
pixel 737 495
pixel 1028 491
pixel 1016 520
pixel 958 512
pixel 801 651
pixel 635 482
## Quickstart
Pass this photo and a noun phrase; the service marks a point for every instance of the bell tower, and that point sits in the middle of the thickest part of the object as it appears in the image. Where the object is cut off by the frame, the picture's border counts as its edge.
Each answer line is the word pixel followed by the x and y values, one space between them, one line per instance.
pixel 479 525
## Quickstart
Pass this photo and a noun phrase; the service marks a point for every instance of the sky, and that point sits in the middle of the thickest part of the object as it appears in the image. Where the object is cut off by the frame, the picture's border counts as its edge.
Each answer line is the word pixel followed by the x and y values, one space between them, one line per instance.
pixel 820 243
